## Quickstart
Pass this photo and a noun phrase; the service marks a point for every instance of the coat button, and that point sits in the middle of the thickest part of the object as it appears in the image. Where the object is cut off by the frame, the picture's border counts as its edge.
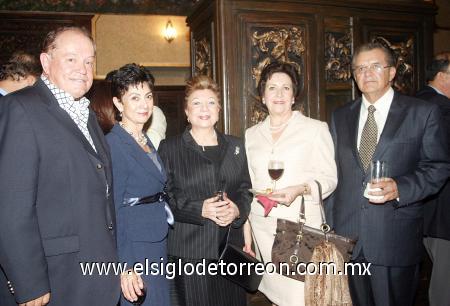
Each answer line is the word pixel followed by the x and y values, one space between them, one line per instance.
pixel 110 226
pixel 99 166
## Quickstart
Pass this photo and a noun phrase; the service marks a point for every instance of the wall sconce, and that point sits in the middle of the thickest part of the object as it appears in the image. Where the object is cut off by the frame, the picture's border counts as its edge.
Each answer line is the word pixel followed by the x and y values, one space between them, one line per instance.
pixel 170 33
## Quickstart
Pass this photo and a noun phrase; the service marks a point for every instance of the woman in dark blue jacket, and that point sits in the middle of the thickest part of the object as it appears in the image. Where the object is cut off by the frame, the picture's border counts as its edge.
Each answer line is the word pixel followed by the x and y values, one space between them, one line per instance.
pixel 138 182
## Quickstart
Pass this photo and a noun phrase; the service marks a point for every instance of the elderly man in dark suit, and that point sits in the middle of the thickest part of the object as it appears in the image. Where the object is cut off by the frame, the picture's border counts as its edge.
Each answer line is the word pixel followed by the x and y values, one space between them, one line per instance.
pixel 407 134
pixel 55 206
pixel 437 207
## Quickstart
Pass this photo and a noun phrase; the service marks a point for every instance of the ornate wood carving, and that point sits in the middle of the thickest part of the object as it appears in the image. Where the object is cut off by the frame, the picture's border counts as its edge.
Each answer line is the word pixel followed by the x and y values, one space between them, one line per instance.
pixel 203 57
pixel 282 44
pixel 338 49
pixel 404 55
pixel 270 44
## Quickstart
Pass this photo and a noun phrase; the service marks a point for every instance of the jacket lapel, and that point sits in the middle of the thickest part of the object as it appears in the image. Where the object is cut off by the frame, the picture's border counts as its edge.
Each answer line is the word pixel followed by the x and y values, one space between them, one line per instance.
pixel 63 117
pixel 394 120
pixel 97 135
pixel 137 153
pixel 353 124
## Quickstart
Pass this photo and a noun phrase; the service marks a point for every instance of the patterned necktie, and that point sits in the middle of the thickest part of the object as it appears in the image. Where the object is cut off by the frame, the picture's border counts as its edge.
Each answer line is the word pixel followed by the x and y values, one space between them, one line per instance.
pixel 369 137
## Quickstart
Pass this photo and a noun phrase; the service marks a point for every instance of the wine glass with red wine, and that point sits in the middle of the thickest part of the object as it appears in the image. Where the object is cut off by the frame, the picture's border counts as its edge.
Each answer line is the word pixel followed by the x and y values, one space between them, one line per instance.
pixel 276 169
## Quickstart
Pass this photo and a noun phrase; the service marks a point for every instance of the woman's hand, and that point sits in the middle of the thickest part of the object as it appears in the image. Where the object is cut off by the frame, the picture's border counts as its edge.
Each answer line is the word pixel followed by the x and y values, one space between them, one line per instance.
pixel 248 239
pixel 214 209
pixel 230 214
pixel 220 212
pixel 288 195
pixel 132 285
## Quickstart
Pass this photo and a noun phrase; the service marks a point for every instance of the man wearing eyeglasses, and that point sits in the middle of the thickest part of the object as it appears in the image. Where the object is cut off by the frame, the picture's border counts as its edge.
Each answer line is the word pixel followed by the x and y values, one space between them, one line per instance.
pixel 437 207
pixel 406 134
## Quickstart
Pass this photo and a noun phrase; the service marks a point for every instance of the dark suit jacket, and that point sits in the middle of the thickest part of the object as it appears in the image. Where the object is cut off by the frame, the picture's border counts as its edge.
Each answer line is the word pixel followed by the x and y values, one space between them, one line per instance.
pixel 55 211
pixel 191 178
pixel 413 145
pixel 141 229
pixel 437 207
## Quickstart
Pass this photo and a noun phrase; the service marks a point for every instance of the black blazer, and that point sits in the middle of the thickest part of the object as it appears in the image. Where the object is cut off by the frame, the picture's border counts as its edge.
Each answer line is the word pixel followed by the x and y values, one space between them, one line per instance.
pixel 55 208
pixel 437 209
pixel 413 145
pixel 191 178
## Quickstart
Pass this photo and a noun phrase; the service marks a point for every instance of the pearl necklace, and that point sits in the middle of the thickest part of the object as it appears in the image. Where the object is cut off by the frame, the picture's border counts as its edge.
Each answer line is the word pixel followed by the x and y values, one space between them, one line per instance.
pixel 278 127
pixel 141 140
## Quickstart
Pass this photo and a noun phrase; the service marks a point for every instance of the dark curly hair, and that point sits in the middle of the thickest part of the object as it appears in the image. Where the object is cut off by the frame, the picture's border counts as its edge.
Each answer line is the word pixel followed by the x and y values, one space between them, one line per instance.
pixel 126 76
pixel 279 67
pixel 20 65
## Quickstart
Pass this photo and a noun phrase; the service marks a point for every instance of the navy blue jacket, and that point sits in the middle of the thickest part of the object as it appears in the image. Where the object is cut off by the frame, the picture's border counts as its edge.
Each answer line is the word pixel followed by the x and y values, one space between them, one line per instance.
pixel 141 229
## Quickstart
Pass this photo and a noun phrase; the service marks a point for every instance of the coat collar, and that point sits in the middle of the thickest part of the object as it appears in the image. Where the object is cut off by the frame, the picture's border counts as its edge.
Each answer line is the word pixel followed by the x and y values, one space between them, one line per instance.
pixel 189 141
pixel 224 146
pixel 139 155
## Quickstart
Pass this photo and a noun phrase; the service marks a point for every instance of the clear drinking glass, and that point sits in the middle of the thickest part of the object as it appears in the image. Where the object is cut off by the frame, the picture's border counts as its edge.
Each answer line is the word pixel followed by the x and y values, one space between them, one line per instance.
pixel 378 172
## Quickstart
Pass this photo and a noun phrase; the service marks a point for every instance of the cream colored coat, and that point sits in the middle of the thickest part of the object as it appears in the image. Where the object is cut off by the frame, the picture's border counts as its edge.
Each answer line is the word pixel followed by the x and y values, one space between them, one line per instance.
pixel 307 150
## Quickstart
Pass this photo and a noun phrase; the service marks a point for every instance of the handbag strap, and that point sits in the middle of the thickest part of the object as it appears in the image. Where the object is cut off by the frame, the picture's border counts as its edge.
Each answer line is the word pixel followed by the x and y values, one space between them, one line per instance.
pixel 225 242
pixel 324 227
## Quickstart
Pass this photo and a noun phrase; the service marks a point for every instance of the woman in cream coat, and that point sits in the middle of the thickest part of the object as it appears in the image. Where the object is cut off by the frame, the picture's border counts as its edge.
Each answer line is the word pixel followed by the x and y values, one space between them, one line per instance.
pixel 306 149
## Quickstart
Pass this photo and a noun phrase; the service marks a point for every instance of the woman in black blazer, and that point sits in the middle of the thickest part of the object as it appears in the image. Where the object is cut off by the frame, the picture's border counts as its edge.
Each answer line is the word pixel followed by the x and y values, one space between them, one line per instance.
pixel 138 182
pixel 199 163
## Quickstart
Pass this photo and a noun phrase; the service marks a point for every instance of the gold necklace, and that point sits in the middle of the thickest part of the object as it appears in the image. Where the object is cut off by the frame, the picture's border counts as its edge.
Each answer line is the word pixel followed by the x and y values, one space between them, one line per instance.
pixel 141 140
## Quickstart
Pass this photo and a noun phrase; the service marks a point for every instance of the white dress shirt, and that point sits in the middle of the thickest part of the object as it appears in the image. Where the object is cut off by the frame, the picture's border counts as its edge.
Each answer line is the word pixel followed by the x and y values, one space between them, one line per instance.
pixel 382 107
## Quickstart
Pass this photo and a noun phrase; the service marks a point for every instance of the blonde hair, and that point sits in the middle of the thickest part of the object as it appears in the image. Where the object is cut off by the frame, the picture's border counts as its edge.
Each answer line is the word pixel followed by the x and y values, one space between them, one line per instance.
pixel 201 82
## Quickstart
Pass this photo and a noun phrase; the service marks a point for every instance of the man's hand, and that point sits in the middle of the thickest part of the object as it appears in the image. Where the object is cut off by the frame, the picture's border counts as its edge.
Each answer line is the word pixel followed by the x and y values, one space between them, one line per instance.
pixel 388 190
pixel 40 301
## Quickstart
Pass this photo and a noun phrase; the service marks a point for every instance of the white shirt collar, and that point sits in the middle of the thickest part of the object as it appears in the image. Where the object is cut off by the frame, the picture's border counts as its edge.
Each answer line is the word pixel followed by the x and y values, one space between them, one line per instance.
pixel 437 90
pixel 382 104
pixel 3 92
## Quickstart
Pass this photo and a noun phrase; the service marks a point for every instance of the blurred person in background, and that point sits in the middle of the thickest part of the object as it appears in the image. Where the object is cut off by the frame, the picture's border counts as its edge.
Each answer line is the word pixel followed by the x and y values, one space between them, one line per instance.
pixel 20 71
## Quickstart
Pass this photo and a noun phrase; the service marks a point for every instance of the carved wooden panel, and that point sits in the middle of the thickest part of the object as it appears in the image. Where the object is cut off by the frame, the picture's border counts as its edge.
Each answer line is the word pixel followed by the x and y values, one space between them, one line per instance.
pixel 404 38
pixel 202 64
pixel 338 56
pixel 275 44
pixel 403 49
pixel 25 31
pixel 318 37
pixel 203 55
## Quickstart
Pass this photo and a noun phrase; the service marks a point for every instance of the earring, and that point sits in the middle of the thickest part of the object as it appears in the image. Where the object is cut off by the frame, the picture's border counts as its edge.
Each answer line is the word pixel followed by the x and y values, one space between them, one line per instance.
pixel 189 121
pixel 263 101
pixel 120 114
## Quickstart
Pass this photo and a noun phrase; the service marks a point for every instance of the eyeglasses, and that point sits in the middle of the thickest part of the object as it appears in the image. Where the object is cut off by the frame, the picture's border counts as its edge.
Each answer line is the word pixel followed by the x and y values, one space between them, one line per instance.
pixel 376 67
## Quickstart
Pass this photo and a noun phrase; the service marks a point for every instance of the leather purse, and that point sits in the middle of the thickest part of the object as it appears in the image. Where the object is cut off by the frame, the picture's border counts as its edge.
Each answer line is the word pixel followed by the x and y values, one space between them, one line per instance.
pixel 294 243
pixel 231 254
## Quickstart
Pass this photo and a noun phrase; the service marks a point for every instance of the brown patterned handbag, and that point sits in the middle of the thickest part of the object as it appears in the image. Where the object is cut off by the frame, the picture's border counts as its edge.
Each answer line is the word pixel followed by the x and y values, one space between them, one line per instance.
pixel 295 243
